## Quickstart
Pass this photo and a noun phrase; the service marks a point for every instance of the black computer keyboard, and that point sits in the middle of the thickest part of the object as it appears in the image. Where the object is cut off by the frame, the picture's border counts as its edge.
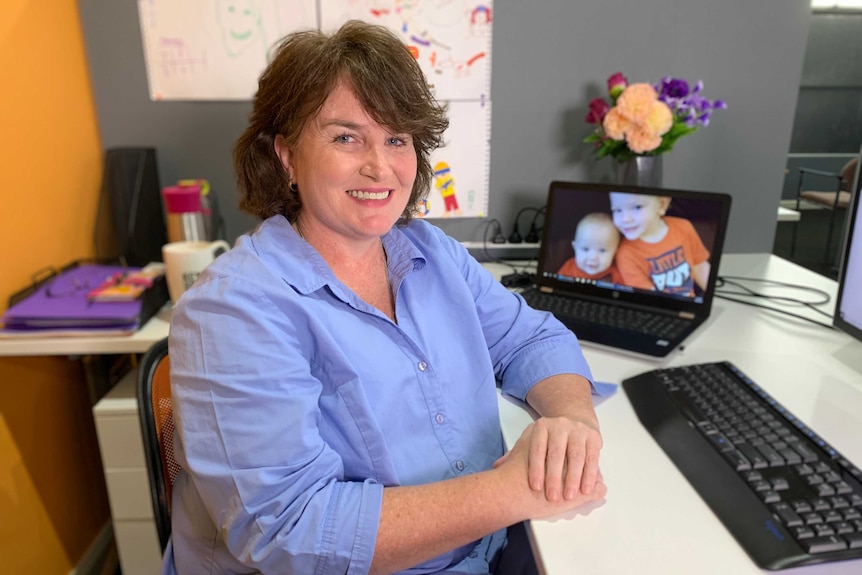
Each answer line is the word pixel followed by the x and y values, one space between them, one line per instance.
pixel 653 324
pixel 786 495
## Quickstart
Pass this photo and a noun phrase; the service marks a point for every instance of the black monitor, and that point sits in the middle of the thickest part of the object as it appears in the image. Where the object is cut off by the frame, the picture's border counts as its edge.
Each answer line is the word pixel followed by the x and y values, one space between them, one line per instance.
pixel 848 308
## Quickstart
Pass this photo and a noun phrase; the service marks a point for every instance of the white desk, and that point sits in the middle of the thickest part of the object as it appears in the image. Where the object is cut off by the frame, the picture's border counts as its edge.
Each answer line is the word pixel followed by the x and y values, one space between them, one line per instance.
pixel 788 215
pixel 652 521
pixel 139 342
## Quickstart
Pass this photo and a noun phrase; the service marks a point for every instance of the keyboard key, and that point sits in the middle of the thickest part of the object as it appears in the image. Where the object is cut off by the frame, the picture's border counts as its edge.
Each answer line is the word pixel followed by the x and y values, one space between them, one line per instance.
pixel 770 496
pixel 771 455
pixel 808 456
pixel 842 528
pixel 789 455
pixel 753 455
pixel 812 518
pixel 738 460
pixel 824 544
pixel 843 488
pixel 825 490
pixel 854 540
pixel 788 516
pixel 833 516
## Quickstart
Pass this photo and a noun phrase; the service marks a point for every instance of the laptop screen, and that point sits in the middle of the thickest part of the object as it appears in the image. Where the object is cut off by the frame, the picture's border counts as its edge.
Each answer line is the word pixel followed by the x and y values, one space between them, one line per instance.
pixel 644 245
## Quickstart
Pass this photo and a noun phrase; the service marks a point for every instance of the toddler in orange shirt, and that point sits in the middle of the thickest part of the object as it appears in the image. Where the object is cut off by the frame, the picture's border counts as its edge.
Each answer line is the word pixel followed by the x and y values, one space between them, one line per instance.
pixel 658 252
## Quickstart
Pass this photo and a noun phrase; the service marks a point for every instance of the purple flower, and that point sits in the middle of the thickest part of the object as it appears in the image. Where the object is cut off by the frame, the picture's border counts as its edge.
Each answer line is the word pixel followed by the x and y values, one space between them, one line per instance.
pixel 674 87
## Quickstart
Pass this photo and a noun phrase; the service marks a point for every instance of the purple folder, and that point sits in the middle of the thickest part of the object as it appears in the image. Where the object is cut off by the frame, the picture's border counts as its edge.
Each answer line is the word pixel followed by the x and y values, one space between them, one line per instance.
pixel 61 302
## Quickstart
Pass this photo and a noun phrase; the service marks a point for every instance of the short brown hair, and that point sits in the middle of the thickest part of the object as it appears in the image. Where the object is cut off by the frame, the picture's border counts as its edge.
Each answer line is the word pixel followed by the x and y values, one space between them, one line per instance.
pixel 304 70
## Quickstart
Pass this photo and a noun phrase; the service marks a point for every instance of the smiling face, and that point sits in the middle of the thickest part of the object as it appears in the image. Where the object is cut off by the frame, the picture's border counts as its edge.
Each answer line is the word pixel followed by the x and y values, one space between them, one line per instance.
pixel 354 176
pixel 240 21
pixel 639 217
pixel 595 244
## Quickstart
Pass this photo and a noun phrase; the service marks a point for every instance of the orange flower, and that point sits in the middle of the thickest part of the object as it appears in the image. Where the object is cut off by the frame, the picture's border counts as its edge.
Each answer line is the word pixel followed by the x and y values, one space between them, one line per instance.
pixel 641 140
pixel 660 118
pixel 639 118
pixel 636 101
pixel 615 124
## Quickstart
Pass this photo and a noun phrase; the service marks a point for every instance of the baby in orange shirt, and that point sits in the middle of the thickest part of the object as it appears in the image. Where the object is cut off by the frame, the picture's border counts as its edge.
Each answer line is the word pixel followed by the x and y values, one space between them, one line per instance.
pixel 595 243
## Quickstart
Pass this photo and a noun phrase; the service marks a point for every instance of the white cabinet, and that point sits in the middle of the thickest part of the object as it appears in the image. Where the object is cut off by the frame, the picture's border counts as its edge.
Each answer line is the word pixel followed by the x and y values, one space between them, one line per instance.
pixel 122 448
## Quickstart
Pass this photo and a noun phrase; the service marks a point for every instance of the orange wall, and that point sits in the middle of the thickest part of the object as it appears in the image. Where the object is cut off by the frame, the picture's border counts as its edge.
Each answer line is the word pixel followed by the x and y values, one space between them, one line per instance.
pixel 52 493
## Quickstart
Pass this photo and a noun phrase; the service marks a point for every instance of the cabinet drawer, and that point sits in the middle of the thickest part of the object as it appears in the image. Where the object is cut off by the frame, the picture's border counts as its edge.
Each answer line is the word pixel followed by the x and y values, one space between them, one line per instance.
pixel 120 441
pixel 138 547
pixel 129 493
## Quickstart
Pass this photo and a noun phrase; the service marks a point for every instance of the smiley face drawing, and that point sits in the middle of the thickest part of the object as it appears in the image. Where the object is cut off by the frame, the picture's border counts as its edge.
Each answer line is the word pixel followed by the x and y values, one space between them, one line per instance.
pixel 241 25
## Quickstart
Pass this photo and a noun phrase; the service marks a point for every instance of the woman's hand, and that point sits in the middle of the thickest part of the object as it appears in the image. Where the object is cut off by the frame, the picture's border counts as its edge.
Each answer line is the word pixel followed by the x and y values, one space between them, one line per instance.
pixel 564 443
pixel 556 462
pixel 564 457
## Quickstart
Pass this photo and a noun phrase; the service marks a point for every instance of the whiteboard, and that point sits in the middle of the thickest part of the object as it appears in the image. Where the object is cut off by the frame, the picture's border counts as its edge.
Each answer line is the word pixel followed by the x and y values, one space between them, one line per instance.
pixel 215 50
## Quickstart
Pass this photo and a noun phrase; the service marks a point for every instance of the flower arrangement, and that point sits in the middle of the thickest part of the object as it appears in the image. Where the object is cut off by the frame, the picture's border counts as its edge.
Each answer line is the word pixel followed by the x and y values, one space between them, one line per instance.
pixel 647 120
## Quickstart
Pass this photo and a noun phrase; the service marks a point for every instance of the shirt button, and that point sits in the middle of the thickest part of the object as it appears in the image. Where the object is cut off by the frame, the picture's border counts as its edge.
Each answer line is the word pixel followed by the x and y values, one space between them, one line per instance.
pixel 440 418
pixel 459 465
pixel 422 366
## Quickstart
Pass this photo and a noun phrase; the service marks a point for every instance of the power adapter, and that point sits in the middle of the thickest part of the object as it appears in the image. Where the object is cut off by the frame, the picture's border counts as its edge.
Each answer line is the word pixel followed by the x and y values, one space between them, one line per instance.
pixel 517 280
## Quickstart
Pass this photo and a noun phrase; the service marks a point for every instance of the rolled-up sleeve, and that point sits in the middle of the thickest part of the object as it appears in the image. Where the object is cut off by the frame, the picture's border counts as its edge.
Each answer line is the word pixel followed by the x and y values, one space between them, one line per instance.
pixel 247 415
pixel 526 345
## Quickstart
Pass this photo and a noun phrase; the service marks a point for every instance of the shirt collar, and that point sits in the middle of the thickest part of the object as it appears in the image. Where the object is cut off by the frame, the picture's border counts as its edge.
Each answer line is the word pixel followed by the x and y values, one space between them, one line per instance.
pixel 300 266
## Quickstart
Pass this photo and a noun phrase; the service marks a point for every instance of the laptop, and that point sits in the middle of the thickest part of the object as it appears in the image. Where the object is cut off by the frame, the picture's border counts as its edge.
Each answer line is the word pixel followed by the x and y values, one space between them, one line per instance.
pixel 645 276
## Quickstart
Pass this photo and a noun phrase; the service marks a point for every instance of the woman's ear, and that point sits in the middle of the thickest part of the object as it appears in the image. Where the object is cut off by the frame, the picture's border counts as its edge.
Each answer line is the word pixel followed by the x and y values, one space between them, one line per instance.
pixel 282 150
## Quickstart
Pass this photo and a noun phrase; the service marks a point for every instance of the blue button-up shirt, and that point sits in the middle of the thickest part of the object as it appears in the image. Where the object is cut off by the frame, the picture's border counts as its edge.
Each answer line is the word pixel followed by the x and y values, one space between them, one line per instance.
pixel 296 402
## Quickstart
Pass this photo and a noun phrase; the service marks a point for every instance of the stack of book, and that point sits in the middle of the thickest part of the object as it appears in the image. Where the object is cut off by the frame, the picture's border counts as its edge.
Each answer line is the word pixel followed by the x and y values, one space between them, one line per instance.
pixel 87 299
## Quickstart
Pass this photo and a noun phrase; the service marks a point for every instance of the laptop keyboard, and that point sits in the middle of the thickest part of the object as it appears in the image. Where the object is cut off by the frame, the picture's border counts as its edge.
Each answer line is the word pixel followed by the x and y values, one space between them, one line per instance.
pixel 652 324
pixel 787 496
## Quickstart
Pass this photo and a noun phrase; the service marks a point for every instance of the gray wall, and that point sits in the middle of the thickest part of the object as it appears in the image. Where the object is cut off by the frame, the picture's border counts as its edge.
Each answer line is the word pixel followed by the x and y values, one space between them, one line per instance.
pixel 829 111
pixel 549 59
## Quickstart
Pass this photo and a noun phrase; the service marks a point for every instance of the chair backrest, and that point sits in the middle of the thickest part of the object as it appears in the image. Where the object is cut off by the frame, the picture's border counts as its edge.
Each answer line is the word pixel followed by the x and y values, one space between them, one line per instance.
pixel 848 172
pixel 157 427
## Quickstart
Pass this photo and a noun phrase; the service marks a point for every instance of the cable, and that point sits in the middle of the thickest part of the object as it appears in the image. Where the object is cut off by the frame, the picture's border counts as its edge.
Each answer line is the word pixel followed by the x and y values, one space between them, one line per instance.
pixel 515 237
pixel 748 292
pixel 499 234
pixel 793 315
pixel 533 235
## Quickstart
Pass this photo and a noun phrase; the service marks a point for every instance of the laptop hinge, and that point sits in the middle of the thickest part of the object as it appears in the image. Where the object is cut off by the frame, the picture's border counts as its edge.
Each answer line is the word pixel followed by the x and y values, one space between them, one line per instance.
pixel 686 315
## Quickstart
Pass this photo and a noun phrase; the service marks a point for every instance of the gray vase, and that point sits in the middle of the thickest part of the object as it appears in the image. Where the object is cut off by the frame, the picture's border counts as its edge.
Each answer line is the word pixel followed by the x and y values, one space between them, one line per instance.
pixel 645 171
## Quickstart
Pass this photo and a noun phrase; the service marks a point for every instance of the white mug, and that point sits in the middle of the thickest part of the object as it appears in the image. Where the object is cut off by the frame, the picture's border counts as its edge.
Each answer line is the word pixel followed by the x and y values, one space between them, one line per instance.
pixel 184 261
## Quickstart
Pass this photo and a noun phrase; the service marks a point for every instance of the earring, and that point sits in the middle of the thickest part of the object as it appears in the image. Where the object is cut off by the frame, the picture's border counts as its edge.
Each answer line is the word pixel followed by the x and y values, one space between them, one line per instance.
pixel 291 185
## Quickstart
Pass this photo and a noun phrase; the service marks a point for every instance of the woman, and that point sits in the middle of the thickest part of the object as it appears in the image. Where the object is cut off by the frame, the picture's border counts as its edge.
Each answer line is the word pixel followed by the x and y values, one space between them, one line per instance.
pixel 333 375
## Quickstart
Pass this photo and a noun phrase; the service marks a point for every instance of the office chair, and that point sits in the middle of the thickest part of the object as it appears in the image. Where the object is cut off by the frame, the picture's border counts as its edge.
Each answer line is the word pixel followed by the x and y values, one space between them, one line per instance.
pixel 833 200
pixel 157 427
